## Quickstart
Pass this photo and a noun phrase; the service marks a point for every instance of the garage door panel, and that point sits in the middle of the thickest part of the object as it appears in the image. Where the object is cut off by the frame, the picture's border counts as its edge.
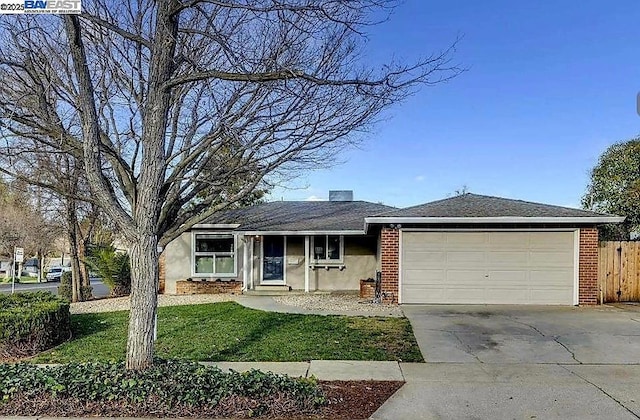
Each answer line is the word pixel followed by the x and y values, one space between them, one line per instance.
pixel 465 295
pixel 416 295
pixel 561 278
pixel 519 277
pixel 464 277
pixel 488 267
pixel 507 258
pixel 418 259
pixel 551 259
pixel 551 296
pixel 426 240
pixel 466 240
pixel 418 277
pixel 551 240
pixel 466 258
pixel 508 240
pixel 506 294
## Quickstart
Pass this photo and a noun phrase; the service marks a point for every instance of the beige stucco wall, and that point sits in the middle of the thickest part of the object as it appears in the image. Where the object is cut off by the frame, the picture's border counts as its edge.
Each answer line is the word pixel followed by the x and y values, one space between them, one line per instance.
pixel 359 263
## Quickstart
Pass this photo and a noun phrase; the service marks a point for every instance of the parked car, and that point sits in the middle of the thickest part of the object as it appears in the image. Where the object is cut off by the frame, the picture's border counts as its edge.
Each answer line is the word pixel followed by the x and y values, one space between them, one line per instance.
pixel 55 273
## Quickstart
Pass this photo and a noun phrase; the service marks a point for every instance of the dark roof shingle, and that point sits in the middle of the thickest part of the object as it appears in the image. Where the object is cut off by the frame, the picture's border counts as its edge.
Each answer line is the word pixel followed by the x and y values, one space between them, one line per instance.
pixel 474 205
pixel 301 216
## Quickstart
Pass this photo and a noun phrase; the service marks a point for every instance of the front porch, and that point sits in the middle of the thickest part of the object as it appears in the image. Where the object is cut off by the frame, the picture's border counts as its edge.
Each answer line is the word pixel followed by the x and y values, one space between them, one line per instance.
pixel 307 263
pixel 218 261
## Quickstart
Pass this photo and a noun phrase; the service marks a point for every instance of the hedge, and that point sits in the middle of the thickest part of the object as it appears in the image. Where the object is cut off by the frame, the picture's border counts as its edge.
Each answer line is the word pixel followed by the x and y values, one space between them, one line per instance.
pixel 65 289
pixel 167 383
pixel 31 322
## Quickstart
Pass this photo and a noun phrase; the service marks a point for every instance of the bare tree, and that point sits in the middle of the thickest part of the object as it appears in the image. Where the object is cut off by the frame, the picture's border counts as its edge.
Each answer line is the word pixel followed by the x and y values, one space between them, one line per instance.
pixel 167 104
pixel 24 223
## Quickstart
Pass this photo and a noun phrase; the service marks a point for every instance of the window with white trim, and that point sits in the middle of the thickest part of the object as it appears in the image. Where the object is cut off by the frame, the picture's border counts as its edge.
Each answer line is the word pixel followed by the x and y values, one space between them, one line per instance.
pixel 327 248
pixel 215 254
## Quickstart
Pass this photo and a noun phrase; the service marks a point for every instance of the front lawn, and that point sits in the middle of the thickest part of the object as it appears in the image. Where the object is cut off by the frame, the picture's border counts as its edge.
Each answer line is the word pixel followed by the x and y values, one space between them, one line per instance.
pixel 23 279
pixel 230 332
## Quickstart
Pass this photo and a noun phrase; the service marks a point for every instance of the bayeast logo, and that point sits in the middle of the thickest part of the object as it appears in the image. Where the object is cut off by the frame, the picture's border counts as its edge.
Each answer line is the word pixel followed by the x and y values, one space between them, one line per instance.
pixel 52 6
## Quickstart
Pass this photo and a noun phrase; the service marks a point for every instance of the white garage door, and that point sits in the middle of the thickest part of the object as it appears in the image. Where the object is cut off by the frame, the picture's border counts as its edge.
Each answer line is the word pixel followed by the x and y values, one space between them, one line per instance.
pixel 487 267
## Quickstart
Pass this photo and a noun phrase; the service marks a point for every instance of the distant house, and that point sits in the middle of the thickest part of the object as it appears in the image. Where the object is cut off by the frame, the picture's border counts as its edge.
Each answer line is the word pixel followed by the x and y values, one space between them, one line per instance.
pixel 5 268
pixel 31 267
pixel 466 249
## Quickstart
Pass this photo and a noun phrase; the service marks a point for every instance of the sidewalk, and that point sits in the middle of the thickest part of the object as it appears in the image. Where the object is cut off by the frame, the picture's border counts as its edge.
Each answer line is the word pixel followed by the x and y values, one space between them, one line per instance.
pixel 324 370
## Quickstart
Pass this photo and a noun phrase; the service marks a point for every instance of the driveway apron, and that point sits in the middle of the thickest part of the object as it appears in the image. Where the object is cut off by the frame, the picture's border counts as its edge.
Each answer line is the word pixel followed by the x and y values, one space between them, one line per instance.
pixel 508 362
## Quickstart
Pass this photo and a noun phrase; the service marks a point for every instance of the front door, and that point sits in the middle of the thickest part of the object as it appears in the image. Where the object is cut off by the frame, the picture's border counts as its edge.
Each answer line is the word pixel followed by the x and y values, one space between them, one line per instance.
pixel 273 249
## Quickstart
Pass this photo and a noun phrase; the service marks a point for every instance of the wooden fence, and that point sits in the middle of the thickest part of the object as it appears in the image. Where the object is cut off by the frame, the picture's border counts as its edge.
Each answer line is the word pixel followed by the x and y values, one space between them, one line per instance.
pixel 619 271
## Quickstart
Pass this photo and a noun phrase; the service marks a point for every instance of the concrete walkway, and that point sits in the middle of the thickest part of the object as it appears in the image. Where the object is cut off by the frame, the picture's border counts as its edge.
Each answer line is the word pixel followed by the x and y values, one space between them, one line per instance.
pixel 324 370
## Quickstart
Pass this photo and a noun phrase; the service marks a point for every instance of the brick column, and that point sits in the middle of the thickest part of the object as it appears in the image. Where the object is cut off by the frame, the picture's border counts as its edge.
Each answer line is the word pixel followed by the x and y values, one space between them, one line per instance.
pixel 390 257
pixel 163 273
pixel 588 267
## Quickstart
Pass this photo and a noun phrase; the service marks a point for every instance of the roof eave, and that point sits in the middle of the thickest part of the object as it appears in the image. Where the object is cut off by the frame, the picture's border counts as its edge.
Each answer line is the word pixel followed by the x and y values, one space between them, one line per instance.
pixel 216 226
pixel 493 220
pixel 300 232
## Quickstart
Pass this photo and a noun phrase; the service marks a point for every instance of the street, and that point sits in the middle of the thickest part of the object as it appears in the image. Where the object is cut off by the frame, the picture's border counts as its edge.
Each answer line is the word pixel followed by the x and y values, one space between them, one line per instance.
pixel 99 288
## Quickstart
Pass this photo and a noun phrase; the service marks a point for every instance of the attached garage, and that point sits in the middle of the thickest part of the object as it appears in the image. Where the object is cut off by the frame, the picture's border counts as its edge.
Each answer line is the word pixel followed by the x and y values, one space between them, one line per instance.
pixel 488 267
pixel 477 249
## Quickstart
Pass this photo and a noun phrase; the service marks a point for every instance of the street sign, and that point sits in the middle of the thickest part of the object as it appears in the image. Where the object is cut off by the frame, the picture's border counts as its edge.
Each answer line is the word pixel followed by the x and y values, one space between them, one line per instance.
pixel 19 257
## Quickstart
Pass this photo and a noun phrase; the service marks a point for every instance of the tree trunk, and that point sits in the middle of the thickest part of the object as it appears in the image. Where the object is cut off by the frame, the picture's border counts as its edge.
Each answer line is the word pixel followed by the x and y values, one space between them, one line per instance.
pixel 72 235
pixel 144 302
pixel 146 211
pixel 39 256
pixel 83 270
pixel 76 294
pixel 75 267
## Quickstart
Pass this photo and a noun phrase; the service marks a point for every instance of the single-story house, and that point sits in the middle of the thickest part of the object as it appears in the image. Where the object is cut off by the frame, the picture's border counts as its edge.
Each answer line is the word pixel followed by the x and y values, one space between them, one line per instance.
pixel 471 249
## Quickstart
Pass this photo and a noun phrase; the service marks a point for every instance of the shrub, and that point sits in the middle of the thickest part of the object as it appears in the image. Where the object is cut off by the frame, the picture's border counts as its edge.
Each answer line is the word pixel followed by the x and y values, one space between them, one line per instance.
pixel 65 290
pixel 32 322
pixel 114 269
pixel 166 383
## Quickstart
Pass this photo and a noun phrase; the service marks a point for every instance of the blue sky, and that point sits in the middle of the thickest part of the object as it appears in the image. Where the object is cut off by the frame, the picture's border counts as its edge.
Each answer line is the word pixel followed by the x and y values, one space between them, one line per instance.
pixel 549 86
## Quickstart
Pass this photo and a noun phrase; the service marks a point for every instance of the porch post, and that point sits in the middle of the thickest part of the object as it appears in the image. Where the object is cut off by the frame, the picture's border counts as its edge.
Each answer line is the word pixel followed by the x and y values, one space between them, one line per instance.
pixel 306 264
pixel 245 263
pixel 251 257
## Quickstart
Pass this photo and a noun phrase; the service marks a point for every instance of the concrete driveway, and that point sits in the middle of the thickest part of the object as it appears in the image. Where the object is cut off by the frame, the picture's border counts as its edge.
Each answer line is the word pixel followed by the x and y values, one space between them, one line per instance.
pixel 504 362
pixel 516 334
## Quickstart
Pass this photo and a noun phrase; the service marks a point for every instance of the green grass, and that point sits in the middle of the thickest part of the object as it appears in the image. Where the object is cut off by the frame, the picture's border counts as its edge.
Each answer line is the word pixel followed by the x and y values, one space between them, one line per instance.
pixel 23 279
pixel 230 332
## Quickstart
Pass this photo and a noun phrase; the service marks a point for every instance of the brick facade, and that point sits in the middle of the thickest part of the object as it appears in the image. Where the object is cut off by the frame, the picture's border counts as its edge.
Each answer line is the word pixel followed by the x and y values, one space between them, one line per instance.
pixel 389 264
pixel 162 273
pixel 184 287
pixel 588 267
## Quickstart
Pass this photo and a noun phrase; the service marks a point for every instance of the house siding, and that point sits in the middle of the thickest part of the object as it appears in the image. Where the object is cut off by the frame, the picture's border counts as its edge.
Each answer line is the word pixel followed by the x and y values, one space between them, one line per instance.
pixel 588 267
